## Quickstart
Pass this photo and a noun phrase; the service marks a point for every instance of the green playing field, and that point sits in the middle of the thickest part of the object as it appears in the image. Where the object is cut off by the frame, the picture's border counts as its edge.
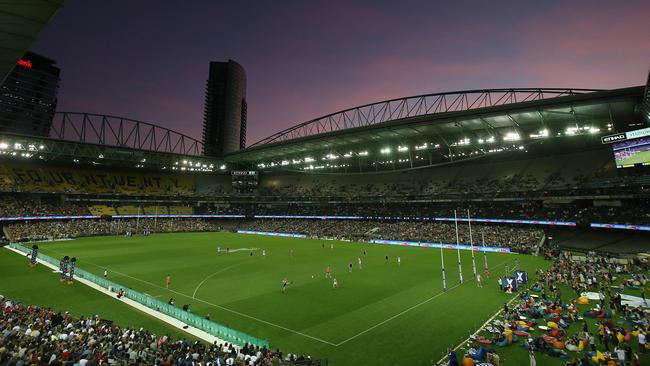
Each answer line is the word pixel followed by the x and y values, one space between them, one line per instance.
pixel 382 313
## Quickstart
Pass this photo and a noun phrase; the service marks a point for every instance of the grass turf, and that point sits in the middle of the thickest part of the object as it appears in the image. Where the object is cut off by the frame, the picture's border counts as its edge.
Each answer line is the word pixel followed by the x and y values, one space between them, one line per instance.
pixel 382 314
pixel 39 286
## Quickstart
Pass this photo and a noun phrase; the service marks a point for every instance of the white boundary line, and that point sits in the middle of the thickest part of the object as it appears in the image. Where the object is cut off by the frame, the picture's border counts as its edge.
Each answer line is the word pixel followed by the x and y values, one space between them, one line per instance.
pixel 478 330
pixel 411 308
pixel 280 326
pixel 216 273
pixel 397 315
pixel 208 303
pixel 160 316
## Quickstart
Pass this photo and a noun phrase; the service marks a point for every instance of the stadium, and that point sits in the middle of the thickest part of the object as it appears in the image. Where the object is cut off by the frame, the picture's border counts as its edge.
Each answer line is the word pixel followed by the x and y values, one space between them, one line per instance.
pixel 465 227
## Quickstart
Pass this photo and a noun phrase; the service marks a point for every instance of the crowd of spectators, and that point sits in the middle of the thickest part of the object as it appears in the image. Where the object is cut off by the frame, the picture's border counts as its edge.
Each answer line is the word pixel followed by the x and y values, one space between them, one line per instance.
pixel 65 229
pixel 20 205
pixel 30 335
pixel 631 211
pixel 615 333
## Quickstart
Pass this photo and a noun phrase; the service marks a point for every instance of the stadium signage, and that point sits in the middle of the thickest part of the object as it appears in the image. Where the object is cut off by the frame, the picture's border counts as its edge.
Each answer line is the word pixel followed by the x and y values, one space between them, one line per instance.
pixel 625 136
pixel 442 245
pixel 613 138
pixel 25 63
pixel 620 226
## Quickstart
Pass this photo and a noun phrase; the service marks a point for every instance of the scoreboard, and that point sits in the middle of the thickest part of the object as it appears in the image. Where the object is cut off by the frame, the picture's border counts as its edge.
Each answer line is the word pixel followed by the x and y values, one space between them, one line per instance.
pixel 244 180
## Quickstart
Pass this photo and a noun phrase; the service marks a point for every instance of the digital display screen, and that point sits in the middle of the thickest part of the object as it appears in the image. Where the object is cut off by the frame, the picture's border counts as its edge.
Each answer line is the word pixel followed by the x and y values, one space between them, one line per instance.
pixel 630 152
pixel 271 233
pixel 442 245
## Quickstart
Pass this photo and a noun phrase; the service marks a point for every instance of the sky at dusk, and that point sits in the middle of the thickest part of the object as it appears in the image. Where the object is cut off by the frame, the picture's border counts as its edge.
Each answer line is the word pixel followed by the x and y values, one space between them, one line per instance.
pixel 148 60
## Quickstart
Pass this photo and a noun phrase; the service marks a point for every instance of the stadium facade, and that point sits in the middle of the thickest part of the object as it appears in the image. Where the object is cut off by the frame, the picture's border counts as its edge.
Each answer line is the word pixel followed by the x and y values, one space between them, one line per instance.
pixel 224 125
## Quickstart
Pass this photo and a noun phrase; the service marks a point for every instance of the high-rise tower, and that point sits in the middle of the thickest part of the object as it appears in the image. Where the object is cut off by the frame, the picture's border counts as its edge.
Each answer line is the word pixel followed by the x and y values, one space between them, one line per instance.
pixel 224 118
pixel 28 96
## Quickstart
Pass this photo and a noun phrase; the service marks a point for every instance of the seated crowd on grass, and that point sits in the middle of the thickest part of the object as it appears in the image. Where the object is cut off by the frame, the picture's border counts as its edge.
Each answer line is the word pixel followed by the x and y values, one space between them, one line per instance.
pixel 553 317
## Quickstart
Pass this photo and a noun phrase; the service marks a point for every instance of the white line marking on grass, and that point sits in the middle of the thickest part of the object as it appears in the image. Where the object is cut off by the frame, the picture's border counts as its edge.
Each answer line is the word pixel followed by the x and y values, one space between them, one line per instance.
pixel 280 326
pixel 396 315
pixel 212 304
pixel 409 309
pixel 480 328
pixel 216 273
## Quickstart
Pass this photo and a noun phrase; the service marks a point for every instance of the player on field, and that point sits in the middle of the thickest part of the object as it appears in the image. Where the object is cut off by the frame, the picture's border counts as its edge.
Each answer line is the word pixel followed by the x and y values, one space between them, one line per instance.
pixel 399 261
pixel 386 258
pixel 328 271
pixel 350 267
pixel 285 283
pixel 486 273
pixel 291 253
pixel 335 283
pixel 264 253
pixel 218 250
pixel 364 252
pixel 359 260
pixel 478 280
pixel 168 281
pixel 332 246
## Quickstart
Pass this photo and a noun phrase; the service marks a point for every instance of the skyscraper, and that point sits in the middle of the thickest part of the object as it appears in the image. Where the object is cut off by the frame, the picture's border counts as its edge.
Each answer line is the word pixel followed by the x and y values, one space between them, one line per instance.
pixel 224 116
pixel 28 96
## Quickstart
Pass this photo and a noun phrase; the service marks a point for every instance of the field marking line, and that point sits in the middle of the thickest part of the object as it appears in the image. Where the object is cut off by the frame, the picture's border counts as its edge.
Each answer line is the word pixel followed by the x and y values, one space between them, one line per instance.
pixel 209 303
pixel 280 326
pixel 478 330
pixel 216 273
pixel 396 315
pixel 411 308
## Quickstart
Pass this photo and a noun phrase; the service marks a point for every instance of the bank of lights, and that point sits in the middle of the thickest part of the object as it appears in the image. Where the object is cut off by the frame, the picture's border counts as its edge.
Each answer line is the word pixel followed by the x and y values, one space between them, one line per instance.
pixel 512 136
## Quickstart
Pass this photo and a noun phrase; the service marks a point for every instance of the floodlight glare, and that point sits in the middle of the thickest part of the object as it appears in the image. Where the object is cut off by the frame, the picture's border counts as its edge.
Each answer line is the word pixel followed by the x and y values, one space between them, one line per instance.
pixel 511 136
pixel 385 150
pixel 402 148
pixel 363 153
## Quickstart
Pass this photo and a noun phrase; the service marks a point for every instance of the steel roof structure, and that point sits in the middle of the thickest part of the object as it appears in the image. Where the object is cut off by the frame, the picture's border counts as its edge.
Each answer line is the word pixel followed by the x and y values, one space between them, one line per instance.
pixel 122 132
pixel 447 126
pixel 20 23
pixel 399 134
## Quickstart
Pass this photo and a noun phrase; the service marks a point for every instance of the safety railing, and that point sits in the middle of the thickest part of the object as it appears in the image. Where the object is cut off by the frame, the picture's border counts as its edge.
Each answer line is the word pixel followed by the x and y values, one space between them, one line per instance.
pixel 208 326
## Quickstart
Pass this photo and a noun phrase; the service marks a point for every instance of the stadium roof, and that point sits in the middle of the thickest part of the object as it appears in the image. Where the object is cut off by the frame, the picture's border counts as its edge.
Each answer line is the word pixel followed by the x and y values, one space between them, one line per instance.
pixel 20 23
pixel 454 126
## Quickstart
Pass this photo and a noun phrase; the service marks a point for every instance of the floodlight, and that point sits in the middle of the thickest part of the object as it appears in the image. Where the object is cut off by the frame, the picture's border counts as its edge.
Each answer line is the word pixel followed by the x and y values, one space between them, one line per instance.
pixel 512 136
